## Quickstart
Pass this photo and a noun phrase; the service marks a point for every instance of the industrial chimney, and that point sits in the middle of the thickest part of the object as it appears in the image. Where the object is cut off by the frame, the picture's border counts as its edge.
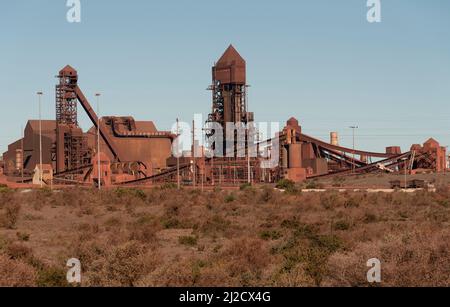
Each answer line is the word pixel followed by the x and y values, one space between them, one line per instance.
pixel 334 139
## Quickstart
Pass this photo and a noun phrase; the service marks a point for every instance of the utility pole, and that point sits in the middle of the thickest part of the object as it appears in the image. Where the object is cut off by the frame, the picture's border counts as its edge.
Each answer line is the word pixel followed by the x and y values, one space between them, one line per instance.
pixel 446 159
pixel 193 155
pixel 406 169
pixel 249 168
pixel 212 168
pixel 178 155
pixel 97 95
pixel 23 155
pixel 258 135
pixel 203 174
pixel 40 138
pixel 212 152
pixel 353 160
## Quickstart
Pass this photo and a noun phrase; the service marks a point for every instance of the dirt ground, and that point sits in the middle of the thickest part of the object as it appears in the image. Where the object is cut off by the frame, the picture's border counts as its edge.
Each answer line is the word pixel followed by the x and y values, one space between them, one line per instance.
pixel 256 236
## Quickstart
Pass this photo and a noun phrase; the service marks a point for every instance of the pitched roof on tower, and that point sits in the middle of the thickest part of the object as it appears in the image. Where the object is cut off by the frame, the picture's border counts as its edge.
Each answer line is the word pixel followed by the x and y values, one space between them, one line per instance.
pixel 68 70
pixel 231 68
pixel 432 141
pixel 231 56
pixel 292 121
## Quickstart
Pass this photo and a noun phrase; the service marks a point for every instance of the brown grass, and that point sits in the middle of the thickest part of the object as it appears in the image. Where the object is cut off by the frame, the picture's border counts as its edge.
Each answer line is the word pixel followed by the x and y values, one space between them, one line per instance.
pixel 252 237
pixel 16 273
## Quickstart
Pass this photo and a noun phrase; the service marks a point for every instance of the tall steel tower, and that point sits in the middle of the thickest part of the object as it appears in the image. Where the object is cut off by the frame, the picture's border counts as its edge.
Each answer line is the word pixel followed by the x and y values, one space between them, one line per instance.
pixel 229 96
pixel 70 150
pixel 66 99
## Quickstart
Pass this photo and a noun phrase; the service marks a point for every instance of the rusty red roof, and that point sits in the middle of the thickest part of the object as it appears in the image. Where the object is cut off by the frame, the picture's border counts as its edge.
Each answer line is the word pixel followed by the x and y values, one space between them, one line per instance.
pixel 231 56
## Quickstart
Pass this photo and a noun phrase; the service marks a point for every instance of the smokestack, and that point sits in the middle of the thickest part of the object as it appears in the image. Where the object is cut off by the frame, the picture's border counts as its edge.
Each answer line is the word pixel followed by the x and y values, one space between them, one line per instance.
pixel 334 139
pixel 19 159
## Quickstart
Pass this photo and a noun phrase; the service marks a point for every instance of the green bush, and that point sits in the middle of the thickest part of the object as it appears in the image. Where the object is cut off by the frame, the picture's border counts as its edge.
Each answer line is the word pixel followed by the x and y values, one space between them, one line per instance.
pixel 270 235
pixel 45 191
pixel 52 277
pixel 169 186
pixel 19 251
pixel 120 192
pixel 329 243
pixel 338 181
pixel 313 184
pixel 444 203
pixel 4 189
pixel 245 187
pixel 125 265
pixel 370 218
pixel 23 236
pixel 215 225
pixel 230 198
pixel 124 192
pixel 11 215
pixel 329 200
pixel 285 184
pixel 308 248
pixel 290 224
pixel 171 223
pixel 140 194
pixel 188 240
pixel 266 194
pixel 351 202
pixel 342 225
pixel 145 219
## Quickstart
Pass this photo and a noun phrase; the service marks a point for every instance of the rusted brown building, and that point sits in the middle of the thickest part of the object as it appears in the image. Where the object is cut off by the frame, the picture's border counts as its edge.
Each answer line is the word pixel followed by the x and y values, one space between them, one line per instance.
pixel 430 156
pixel 137 141
pixel 27 149
pixel 128 143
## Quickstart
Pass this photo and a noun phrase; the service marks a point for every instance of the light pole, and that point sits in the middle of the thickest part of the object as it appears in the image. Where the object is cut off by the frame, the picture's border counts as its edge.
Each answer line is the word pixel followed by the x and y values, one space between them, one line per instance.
pixel 178 154
pixel 353 161
pixel 249 168
pixel 406 173
pixel 23 154
pixel 97 95
pixel 40 138
pixel 446 160
pixel 193 155
pixel 211 151
pixel 250 135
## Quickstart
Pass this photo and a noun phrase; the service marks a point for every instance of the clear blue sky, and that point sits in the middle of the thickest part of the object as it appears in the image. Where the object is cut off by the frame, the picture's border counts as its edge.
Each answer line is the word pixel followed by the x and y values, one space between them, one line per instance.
pixel 317 60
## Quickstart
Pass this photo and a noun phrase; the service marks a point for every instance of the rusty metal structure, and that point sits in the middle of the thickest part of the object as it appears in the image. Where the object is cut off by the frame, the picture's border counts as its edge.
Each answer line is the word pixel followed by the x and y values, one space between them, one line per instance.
pixel 229 94
pixel 229 109
pixel 70 148
pixel 135 153
pixel 430 156
pixel 304 157
pixel 132 149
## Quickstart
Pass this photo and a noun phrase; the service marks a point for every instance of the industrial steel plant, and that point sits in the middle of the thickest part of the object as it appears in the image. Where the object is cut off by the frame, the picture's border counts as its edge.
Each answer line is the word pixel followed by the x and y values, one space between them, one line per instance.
pixel 120 151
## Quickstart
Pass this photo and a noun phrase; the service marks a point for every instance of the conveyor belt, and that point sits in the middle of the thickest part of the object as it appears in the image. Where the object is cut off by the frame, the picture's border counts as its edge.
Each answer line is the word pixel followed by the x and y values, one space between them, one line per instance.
pixel 163 174
pixel 367 167
pixel 306 138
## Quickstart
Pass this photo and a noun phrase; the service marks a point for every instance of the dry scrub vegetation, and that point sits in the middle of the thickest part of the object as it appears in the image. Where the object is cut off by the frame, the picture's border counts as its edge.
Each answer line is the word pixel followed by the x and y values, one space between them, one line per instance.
pixel 252 237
